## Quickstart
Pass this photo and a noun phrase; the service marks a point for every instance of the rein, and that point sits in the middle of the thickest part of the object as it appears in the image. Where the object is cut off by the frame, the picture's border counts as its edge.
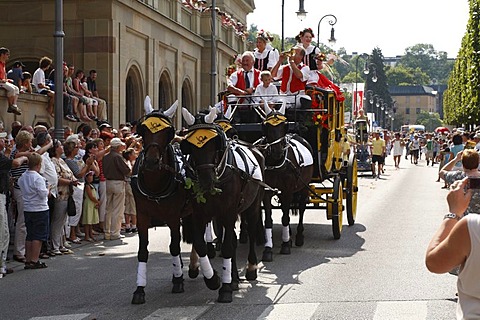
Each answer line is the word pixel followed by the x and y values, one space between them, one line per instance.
pixel 170 185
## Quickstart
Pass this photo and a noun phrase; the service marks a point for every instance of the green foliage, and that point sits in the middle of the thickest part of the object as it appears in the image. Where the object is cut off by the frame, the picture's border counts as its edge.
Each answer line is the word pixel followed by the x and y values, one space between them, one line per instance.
pixel 430 120
pixel 406 76
pixel 461 100
pixel 198 191
pixel 424 57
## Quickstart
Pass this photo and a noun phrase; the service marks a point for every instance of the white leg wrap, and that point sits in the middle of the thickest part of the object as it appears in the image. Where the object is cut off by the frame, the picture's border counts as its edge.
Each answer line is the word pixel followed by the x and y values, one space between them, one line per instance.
pixel 268 238
pixel 177 266
pixel 142 274
pixel 227 271
pixel 208 232
pixel 285 234
pixel 206 267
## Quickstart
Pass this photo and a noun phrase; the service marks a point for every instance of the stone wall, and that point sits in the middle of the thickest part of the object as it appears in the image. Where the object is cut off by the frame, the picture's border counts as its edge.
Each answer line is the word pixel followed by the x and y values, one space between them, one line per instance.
pixel 34 110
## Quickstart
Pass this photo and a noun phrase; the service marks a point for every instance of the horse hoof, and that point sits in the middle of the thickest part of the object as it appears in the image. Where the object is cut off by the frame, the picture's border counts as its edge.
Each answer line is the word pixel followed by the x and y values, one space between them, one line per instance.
pixel 210 250
pixel 225 294
pixel 243 237
pixel 214 282
pixel 235 285
pixel 285 249
pixel 193 273
pixel 299 240
pixel 138 296
pixel 267 255
pixel 251 275
pixel 177 285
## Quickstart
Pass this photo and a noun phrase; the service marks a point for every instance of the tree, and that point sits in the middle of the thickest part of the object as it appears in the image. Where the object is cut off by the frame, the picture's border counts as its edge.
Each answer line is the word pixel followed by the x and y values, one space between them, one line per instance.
pixel 425 58
pixel 379 88
pixel 461 100
pixel 430 120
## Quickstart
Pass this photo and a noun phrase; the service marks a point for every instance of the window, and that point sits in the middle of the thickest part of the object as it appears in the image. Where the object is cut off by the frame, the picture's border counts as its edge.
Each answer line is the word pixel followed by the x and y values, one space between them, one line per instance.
pixel 417 111
pixel 407 110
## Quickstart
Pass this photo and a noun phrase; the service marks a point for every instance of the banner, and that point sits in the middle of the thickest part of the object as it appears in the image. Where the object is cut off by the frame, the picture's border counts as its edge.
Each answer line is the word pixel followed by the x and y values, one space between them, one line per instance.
pixel 357 97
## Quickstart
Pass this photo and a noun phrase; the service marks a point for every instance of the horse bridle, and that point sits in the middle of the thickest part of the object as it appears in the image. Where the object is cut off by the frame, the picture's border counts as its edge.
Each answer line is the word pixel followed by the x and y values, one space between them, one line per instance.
pixel 220 166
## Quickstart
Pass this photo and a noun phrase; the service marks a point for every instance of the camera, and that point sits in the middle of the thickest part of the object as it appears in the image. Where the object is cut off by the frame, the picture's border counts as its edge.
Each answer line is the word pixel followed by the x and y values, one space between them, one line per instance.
pixel 474 183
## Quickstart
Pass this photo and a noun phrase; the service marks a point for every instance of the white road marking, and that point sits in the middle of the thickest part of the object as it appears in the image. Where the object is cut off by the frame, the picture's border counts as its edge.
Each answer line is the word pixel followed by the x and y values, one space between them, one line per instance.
pixel 401 310
pixel 179 313
pixel 299 311
pixel 78 316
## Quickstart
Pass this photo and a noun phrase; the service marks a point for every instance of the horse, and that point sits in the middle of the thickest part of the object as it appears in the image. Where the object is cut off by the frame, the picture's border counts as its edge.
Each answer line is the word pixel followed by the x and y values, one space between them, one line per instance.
pixel 158 189
pixel 288 168
pixel 226 181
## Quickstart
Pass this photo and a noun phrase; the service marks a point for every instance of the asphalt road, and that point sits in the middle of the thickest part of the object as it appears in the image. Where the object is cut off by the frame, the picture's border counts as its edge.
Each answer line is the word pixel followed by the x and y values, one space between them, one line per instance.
pixel 374 271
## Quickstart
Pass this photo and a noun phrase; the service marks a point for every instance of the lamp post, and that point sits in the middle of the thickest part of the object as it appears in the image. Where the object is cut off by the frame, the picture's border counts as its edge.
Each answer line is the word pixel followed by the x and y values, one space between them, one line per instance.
pixel 331 22
pixel 301 14
pixel 58 35
pixel 356 81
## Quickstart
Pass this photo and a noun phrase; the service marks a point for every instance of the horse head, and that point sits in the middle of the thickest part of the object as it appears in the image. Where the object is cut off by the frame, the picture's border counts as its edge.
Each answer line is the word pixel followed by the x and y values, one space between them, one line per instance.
pixel 206 144
pixel 157 132
pixel 274 130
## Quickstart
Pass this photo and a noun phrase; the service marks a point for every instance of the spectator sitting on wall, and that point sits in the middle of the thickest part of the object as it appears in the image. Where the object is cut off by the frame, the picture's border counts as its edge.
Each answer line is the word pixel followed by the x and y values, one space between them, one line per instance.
pixel 16 73
pixel 38 80
pixel 92 86
pixel 26 82
pixel 12 90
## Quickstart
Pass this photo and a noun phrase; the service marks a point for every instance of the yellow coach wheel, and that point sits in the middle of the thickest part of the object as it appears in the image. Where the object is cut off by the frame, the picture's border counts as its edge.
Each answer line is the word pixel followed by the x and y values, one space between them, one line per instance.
pixel 352 189
pixel 335 207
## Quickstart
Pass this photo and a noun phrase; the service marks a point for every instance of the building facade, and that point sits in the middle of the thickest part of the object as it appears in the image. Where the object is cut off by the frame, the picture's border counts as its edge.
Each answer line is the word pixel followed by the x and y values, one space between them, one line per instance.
pixel 159 48
pixel 411 100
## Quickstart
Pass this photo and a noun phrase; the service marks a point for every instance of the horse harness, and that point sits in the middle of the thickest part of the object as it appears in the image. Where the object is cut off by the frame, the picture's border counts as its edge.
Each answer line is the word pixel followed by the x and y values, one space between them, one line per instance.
pixel 173 182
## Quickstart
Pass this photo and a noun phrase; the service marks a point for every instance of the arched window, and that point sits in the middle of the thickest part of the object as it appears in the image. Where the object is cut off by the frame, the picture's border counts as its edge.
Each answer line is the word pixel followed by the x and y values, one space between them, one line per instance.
pixel 165 91
pixel 134 94
pixel 187 95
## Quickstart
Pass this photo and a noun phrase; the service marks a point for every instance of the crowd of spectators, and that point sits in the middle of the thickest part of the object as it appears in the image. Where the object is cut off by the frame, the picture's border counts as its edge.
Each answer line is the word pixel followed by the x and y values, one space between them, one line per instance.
pixel 70 168
pixel 81 100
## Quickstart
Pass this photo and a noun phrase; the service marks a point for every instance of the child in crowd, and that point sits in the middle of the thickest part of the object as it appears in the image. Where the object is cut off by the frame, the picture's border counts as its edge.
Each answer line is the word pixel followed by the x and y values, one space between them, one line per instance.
pixel 266 91
pixel 130 210
pixel 35 203
pixel 90 207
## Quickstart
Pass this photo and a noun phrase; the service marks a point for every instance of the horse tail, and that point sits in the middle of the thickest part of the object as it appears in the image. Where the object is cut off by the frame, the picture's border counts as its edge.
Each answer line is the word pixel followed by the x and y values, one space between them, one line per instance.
pixel 187 229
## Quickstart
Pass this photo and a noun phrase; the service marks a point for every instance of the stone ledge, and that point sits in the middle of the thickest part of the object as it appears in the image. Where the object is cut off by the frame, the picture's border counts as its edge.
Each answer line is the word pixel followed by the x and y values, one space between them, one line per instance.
pixel 34 110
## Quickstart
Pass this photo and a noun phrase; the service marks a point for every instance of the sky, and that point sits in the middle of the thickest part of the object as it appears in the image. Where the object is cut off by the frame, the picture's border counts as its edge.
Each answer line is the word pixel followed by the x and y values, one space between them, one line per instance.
pixel 363 25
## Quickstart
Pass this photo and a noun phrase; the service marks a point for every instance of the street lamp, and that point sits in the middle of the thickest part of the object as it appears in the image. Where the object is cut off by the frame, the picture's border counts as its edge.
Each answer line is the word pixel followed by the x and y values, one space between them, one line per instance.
pixel 372 66
pixel 301 14
pixel 331 22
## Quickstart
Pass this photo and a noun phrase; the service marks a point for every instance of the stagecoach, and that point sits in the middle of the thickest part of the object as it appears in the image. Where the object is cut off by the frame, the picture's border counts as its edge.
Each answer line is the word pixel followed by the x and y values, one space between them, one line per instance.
pixel 319 120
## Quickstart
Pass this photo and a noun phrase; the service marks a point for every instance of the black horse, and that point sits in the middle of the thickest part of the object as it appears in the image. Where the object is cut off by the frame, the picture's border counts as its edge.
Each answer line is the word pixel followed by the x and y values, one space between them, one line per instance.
pixel 286 171
pixel 223 189
pixel 159 192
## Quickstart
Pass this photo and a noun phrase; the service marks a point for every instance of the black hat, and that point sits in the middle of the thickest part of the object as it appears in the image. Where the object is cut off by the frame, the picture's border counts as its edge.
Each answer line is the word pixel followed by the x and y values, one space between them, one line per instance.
pixel 18 64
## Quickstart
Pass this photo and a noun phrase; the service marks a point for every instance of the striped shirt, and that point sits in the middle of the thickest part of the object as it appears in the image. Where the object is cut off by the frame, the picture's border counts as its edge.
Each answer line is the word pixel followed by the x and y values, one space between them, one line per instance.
pixel 15 173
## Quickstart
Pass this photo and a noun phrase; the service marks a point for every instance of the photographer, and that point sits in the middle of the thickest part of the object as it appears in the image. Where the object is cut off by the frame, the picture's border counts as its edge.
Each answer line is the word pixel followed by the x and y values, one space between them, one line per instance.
pixel 457 242
pixel 469 159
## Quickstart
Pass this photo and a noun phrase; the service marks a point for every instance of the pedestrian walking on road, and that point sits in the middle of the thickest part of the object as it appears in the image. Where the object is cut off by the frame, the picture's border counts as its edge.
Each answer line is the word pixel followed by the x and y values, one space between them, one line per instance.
pixel 398 145
pixel 378 154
